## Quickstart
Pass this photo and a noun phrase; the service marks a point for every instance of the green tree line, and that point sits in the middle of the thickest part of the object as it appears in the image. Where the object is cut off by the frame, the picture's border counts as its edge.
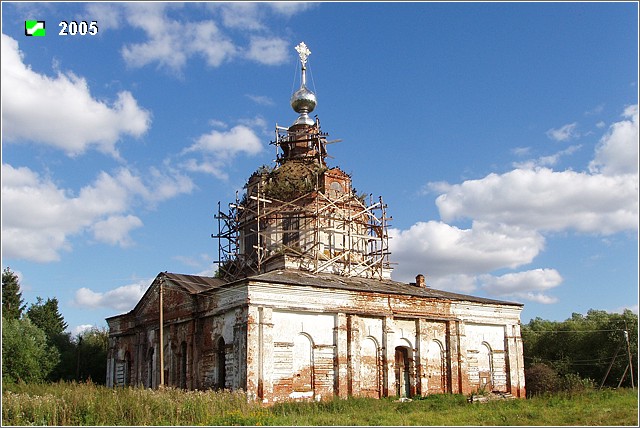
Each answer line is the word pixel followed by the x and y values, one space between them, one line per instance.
pixel 36 346
pixel 599 349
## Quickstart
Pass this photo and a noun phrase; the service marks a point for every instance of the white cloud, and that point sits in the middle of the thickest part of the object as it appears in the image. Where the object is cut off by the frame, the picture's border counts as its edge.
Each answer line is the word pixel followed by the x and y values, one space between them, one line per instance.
pixel 269 51
pixel 115 230
pixel 564 133
pixel 521 151
pixel 528 285
pixel 171 42
pixel 166 38
pixel 243 15
pixel 122 298
pixel 78 330
pixel 217 148
pixel 510 212
pixel 261 100
pixel 595 111
pixel 456 283
pixel 38 218
pixel 617 152
pixel 632 308
pixel 239 139
pixel 290 8
pixel 60 111
pixel 549 160
pixel 205 39
pixel 545 200
pixel 107 15
pixel 437 249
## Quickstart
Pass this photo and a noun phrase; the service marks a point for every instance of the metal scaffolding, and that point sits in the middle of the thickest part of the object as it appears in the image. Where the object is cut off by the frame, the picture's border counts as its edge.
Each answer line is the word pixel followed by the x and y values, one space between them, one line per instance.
pixel 319 231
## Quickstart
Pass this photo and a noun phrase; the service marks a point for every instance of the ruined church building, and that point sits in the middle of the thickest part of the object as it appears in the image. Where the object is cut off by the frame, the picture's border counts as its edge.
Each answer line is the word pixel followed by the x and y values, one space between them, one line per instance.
pixel 303 306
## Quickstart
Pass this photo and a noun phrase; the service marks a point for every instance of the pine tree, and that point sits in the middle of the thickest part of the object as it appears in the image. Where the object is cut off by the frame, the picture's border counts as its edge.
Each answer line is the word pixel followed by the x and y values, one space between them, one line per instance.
pixel 12 303
pixel 46 316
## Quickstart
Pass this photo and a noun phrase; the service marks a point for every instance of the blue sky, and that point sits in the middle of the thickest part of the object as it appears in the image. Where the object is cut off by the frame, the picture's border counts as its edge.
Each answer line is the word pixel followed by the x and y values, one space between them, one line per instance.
pixel 502 136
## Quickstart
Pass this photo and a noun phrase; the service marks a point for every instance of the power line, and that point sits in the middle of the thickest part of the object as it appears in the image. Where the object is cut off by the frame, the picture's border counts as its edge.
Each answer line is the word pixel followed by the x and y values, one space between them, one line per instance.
pixel 571 331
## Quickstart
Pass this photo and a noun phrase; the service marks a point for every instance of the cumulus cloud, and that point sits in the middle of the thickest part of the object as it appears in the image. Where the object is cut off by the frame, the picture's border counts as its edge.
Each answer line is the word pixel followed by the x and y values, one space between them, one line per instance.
pixel 39 218
pixel 564 133
pixel 243 15
pixel 115 230
pixel 107 15
pixel 170 42
pixel 528 285
pixel 61 111
pixel 457 283
pixel 438 249
pixel 122 298
pixel 543 199
pixel 511 212
pixel 217 148
pixel 269 51
pixel 617 152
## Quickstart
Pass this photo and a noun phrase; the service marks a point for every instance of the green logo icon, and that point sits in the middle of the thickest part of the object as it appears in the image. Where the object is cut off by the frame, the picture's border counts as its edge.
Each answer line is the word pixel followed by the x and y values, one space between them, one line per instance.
pixel 34 28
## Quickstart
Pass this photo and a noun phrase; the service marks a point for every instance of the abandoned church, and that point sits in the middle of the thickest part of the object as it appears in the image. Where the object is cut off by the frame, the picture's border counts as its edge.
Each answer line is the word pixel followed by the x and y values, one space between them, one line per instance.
pixel 302 305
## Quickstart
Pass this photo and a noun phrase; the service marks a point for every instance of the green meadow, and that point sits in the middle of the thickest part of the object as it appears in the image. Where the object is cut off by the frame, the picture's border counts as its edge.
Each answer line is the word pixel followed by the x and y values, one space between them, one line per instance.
pixel 88 404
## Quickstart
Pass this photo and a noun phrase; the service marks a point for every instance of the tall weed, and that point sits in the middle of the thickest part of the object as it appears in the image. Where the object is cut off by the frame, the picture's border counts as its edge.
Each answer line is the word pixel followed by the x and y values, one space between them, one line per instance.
pixel 76 404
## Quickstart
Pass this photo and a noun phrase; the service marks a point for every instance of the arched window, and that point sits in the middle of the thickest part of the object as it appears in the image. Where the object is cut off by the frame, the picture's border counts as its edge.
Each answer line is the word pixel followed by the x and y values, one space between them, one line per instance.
pixel 302 363
pixel 485 366
pixel 369 368
pixel 436 368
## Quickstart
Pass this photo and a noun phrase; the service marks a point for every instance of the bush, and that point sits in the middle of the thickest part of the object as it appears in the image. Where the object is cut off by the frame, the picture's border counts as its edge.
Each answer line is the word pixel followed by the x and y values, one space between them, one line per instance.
pixel 541 379
pixel 573 383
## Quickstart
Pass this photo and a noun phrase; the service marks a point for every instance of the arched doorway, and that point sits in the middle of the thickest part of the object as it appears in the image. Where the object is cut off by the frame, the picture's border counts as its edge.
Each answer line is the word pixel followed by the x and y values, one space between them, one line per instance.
pixel 402 372
pixel 222 361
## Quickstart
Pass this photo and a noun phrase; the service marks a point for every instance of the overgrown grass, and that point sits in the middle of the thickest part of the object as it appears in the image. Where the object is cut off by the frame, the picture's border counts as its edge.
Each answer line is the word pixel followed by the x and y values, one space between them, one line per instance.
pixel 88 404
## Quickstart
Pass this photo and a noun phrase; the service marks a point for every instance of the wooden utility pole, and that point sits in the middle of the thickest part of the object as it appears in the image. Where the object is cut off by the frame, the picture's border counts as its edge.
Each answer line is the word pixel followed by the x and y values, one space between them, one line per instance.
pixel 161 337
pixel 626 336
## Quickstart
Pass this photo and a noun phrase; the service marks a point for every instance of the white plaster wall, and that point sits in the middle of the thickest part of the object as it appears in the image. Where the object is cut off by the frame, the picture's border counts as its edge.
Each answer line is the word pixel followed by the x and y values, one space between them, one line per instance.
pixel 486 354
pixel 287 325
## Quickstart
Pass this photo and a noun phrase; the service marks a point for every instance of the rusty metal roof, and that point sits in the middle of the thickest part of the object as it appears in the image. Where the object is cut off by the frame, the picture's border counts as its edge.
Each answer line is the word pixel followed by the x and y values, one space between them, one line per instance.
pixel 384 286
pixel 204 284
pixel 194 284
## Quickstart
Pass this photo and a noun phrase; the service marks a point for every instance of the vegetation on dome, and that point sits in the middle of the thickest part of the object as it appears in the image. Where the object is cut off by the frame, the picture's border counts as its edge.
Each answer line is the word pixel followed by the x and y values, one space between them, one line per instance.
pixel 288 181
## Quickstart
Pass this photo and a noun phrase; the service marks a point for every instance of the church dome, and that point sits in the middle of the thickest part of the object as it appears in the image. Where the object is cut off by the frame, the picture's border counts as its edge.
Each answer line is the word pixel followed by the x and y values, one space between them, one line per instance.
pixel 303 100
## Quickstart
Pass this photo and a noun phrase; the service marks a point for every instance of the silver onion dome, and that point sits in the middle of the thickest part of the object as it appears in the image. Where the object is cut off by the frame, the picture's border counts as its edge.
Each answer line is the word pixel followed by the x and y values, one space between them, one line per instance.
pixel 303 100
